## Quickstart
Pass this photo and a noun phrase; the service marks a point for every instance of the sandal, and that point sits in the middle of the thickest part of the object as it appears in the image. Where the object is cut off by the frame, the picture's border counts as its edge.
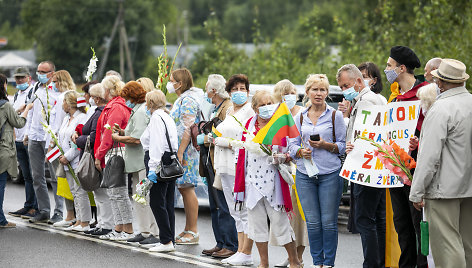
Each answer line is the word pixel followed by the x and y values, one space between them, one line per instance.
pixel 178 237
pixel 189 241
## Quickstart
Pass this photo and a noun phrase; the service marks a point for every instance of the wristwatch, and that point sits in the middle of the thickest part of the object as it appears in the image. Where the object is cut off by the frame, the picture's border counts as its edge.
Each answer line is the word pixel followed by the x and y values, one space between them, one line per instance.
pixel 334 148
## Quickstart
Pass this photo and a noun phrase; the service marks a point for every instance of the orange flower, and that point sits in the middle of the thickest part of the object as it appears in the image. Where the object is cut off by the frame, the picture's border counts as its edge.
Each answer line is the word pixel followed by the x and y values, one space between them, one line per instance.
pixel 404 157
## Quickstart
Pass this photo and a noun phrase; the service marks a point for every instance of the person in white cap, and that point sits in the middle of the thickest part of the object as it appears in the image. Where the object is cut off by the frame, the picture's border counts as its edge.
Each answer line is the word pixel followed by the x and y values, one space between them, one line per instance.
pixel 442 182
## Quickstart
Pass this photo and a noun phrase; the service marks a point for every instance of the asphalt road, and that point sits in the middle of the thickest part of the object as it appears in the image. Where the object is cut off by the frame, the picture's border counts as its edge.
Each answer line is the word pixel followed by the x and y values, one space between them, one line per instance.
pixel 41 245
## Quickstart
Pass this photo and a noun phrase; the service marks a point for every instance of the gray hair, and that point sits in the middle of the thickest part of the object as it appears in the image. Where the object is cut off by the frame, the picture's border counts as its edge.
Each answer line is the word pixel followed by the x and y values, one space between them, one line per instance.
pixel 218 83
pixel 115 73
pixel 352 70
pixel 434 63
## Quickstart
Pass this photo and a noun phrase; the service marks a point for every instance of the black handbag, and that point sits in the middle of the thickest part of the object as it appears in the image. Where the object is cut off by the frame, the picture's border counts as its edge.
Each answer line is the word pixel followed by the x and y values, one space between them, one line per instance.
pixel 171 169
pixel 114 173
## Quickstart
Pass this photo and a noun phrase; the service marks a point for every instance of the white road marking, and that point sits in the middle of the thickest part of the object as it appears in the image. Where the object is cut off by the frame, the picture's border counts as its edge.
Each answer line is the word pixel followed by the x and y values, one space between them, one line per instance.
pixel 176 256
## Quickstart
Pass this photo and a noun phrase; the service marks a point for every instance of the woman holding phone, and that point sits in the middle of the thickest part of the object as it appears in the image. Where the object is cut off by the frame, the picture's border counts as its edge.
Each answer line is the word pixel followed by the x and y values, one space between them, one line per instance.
pixel 321 141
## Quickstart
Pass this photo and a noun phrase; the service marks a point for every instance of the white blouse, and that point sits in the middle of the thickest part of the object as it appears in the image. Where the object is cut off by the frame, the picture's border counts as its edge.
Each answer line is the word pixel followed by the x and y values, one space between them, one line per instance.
pixel 230 128
pixel 71 152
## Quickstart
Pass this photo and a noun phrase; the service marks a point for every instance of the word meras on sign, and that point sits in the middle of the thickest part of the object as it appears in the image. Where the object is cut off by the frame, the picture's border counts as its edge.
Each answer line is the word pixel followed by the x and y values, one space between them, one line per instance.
pixel 381 119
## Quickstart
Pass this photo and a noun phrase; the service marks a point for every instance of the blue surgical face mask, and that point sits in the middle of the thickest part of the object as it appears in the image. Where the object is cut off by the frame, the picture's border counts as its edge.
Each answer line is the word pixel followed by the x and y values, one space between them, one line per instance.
pixel 239 97
pixel 23 86
pixel 208 99
pixel 391 75
pixel 350 93
pixel 267 111
pixel 43 78
pixel 148 112
pixel 53 85
pixel 130 104
pixel 290 100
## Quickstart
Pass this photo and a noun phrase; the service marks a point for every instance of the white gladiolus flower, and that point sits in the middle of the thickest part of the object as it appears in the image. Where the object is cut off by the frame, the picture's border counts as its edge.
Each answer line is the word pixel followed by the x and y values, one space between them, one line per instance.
pixel 236 144
pixel 107 126
pixel 92 67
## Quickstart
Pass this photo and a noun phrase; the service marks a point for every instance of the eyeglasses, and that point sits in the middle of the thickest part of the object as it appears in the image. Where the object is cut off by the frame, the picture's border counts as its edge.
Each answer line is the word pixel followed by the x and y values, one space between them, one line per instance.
pixel 42 72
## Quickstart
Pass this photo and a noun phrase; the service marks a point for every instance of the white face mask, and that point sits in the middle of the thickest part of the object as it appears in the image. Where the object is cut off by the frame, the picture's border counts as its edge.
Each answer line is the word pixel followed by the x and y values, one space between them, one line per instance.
pixel 170 87
pixel 367 82
pixel 92 102
pixel 290 100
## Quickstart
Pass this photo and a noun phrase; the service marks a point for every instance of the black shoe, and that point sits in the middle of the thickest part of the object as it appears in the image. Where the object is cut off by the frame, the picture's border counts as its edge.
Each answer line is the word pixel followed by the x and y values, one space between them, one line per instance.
pixel 55 218
pixel 41 217
pixel 18 213
pixel 100 231
pixel 138 238
pixel 91 231
pixel 31 213
pixel 149 242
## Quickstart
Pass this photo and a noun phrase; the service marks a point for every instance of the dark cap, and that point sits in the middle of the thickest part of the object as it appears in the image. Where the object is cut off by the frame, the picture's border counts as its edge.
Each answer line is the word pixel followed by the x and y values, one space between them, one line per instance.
pixel 406 56
pixel 21 71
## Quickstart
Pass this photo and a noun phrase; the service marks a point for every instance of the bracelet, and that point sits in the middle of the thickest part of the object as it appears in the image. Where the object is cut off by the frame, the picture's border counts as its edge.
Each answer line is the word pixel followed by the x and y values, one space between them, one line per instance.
pixel 334 148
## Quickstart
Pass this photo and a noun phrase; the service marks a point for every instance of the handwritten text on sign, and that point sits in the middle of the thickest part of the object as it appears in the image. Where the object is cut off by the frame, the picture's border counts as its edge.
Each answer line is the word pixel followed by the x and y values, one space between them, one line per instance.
pixel 396 121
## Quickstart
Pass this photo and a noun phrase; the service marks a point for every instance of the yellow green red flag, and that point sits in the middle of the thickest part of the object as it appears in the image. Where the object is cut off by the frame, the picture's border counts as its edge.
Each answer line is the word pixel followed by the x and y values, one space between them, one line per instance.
pixel 280 126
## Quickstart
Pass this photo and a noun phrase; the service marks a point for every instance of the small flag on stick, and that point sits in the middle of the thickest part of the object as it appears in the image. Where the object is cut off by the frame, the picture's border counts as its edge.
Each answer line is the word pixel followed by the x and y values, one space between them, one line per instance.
pixel 215 132
pixel 53 154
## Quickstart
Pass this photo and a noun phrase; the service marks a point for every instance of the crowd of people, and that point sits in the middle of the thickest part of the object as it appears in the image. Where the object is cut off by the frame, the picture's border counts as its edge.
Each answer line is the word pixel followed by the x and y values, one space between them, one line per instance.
pixel 250 201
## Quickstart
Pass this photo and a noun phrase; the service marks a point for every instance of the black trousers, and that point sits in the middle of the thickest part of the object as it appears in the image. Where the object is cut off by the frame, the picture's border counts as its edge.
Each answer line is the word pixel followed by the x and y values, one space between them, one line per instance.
pixel 407 224
pixel 370 222
pixel 161 197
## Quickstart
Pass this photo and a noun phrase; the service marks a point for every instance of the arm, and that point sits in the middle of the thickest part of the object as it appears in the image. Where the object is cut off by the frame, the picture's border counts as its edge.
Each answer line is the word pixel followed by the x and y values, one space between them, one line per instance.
pixel 433 137
pixel 340 129
pixel 14 119
pixel 156 146
pixel 294 143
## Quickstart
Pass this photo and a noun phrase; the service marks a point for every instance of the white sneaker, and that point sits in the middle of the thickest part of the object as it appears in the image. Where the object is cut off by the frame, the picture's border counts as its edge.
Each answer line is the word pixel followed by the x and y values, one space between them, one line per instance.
pixel 163 248
pixel 316 266
pixel 63 223
pixel 225 261
pixel 123 237
pixel 285 263
pixel 241 260
pixel 110 236
pixel 79 228
pixel 70 228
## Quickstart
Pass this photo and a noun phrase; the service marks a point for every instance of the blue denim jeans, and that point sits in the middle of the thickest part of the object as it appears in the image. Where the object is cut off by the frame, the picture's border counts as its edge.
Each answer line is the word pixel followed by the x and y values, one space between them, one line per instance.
pixel 224 228
pixel 3 183
pixel 23 160
pixel 320 197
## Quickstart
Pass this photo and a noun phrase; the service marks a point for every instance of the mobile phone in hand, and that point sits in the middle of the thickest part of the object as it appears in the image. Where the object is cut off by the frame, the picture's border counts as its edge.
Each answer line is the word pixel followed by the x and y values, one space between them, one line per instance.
pixel 315 137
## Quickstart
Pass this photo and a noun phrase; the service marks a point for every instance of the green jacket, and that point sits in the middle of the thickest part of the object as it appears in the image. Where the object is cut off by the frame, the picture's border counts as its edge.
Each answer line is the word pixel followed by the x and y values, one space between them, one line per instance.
pixel 9 119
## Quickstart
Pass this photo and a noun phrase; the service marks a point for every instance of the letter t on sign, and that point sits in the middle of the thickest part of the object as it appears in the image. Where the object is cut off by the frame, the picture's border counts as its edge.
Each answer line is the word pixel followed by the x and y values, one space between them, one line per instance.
pixel 365 113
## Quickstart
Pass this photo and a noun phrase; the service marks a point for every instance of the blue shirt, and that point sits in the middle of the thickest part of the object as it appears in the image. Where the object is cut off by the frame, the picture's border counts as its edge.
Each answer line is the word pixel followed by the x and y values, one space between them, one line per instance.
pixel 326 161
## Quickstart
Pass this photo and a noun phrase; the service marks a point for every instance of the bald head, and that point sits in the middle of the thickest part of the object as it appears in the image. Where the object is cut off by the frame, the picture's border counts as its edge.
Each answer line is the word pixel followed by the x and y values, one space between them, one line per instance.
pixel 431 65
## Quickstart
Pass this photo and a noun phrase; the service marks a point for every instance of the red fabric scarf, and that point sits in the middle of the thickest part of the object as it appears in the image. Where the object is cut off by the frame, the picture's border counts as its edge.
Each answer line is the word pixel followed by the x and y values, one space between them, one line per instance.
pixel 240 178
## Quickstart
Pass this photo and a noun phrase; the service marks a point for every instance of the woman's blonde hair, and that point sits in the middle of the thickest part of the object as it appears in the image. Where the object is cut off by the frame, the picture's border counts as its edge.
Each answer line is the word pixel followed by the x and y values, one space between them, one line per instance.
pixel 64 81
pixel 316 79
pixel 113 84
pixel 282 88
pixel 156 100
pixel 256 99
pixel 70 98
pixel 147 84
pixel 97 90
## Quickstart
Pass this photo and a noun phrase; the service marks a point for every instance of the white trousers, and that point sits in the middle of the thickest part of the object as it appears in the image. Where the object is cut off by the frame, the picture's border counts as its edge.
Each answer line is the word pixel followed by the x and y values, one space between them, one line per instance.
pixel 104 211
pixel 238 213
pixel 83 211
pixel 144 218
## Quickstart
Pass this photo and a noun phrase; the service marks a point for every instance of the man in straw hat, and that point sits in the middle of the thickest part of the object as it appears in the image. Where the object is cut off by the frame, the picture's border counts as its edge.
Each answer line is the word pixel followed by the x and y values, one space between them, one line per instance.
pixel 442 182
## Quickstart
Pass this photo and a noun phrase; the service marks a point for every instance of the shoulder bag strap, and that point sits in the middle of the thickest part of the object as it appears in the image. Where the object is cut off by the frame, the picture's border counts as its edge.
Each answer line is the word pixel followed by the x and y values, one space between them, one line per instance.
pixel 167 135
pixel 332 120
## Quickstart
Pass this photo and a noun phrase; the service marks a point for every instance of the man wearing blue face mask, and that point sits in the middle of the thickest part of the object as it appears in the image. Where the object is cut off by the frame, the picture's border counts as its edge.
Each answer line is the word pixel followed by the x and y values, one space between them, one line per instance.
pixel 400 68
pixel 369 208
pixel 23 84
pixel 36 137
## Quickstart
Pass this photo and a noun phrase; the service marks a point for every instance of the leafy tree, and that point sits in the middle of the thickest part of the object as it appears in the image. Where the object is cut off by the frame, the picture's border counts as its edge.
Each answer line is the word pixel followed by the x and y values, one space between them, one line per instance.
pixel 65 30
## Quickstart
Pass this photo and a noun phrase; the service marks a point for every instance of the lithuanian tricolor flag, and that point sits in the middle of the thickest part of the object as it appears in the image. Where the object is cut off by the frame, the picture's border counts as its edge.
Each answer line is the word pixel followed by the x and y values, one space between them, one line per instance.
pixel 215 132
pixel 280 126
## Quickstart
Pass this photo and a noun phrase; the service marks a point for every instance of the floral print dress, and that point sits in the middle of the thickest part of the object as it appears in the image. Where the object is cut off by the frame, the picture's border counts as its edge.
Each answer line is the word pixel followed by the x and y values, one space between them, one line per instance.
pixel 185 112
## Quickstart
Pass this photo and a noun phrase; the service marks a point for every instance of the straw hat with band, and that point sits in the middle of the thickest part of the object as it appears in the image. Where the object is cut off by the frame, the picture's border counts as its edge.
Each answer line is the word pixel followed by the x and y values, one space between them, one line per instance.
pixel 452 71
